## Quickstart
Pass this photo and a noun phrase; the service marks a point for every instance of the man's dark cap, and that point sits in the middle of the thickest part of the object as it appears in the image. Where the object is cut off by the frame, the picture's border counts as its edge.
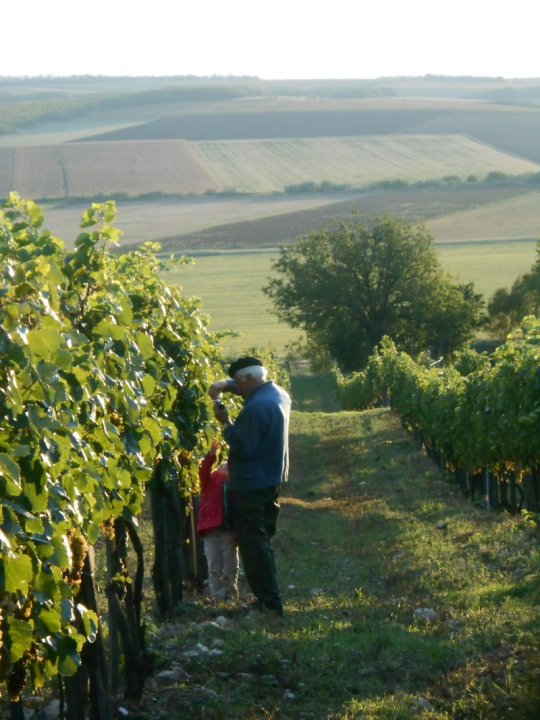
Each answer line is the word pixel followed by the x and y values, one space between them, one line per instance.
pixel 244 362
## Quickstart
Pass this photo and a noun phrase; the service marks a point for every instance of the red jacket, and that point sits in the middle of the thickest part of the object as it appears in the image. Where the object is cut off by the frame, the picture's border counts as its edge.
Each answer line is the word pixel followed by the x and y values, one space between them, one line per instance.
pixel 211 505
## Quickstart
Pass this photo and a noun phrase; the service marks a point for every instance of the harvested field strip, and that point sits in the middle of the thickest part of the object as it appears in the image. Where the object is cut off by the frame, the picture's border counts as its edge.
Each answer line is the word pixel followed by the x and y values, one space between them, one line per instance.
pixel 6 169
pixel 270 165
pixel 38 172
pixel 267 221
pixel 269 232
pixel 512 218
pixel 143 220
pixel 134 168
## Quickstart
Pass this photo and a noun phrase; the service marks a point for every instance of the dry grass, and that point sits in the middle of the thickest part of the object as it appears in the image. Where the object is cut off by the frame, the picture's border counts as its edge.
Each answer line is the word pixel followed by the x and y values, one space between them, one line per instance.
pixel 134 167
pixel 270 165
pixel 38 172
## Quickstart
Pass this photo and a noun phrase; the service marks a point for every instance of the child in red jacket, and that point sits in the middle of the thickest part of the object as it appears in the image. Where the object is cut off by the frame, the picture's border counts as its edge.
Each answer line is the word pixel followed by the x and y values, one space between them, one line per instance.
pixel 216 527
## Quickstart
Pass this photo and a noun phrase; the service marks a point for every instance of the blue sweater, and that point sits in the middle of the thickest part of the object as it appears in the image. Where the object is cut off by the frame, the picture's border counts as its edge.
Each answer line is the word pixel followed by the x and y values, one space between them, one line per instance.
pixel 259 439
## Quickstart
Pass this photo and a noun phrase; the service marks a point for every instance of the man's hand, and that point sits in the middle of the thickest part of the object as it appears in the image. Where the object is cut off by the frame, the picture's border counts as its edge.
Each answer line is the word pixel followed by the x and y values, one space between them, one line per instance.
pixel 217 387
pixel 221 413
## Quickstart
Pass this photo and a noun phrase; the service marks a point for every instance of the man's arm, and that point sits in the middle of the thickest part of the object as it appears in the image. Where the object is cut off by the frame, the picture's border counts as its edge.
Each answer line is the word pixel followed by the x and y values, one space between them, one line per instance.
pixel 244 436
pixel 221 386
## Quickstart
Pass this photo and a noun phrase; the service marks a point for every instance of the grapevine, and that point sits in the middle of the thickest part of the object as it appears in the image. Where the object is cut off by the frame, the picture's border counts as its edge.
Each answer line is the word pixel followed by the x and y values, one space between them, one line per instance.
pixel 103 371
pixel 482 412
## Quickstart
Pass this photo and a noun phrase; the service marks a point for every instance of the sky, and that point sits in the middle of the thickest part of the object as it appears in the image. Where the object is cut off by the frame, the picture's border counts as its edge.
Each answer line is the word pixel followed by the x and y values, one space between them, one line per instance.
pixel 272 40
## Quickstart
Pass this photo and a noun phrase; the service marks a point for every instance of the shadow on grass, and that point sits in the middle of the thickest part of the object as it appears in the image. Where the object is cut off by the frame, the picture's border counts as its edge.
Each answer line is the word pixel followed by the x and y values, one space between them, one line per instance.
pixel 314 393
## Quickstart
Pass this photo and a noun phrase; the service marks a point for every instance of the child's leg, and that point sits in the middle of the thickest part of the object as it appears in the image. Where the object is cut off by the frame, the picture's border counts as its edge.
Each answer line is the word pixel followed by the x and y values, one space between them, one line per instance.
pixel 214 559
pixel 230 564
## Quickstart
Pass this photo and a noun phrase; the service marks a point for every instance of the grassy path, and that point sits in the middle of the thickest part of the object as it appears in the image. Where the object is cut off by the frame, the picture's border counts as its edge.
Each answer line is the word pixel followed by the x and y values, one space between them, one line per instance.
pixel 387 614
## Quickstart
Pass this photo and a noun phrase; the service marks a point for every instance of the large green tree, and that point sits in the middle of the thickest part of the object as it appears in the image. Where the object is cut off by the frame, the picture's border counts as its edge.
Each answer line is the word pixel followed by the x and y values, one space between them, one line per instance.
pixel 351 284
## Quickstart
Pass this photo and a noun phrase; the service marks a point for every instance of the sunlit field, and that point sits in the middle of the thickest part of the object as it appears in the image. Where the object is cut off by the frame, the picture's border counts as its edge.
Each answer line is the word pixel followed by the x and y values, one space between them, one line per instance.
pixel 229 284
pixel 269 165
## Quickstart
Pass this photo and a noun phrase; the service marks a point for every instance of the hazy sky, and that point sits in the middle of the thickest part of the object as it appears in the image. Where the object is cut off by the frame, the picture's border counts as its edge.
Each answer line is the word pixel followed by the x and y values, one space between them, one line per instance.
pixel 278 39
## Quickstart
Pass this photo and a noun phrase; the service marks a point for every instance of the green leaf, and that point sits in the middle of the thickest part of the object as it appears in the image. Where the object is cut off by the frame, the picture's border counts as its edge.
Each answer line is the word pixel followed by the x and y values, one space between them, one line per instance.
pixel 51 620
pixel 88 219
pixel 11 473
pixel 18 638
pixel 63 358
pixel 15 574
pixel 4 541
pixel 14 397
pixel 21 450
pixel 146 347
pixel 109 232
pixel 44 342
pixel 66 606
pixel 61 556
pixel 126 315
pixel 68 655
pixel 149 385
pixel 90 622
pixel 92 533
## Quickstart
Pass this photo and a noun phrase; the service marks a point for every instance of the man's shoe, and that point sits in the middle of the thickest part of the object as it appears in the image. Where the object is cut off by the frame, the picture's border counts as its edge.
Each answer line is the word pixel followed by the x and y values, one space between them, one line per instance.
pixel 255 606
pixel 275 607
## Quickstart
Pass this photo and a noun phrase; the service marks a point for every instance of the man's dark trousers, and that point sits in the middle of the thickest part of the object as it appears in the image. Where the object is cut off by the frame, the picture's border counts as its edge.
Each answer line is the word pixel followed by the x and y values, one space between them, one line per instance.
pixel 255 518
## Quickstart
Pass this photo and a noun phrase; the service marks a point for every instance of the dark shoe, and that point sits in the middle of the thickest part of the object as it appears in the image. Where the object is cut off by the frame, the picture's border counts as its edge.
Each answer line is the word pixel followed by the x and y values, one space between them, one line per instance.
pixel 255 606
pixel 275 607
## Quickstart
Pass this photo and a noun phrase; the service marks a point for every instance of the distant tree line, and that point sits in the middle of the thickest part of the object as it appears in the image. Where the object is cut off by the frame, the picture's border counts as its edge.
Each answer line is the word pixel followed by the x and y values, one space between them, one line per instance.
pixel 495 176
pixel 70 80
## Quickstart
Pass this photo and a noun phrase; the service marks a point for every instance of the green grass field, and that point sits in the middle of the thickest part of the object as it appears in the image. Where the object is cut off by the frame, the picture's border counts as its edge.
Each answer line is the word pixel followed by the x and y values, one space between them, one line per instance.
pixel 229 285
pixel 489 264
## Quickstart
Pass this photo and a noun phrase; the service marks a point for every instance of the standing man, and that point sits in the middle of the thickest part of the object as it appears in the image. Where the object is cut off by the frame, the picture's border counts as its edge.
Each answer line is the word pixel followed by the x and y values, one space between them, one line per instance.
pixel 258 464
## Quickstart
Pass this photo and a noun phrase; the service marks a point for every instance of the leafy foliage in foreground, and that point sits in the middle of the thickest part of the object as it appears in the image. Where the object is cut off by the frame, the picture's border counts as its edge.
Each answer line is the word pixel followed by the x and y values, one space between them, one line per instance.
pixel 480 412
pixel 350 285
pixel 103 372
